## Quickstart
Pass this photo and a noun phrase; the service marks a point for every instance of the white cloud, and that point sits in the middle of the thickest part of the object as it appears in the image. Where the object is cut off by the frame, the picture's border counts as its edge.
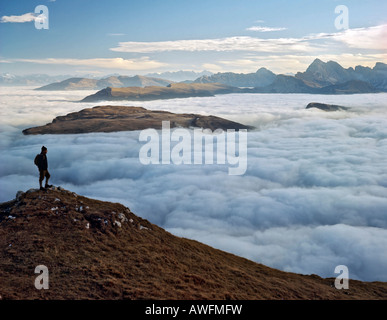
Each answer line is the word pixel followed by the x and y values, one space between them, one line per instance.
pixel 313 196
pixel 372 38
pixel 264 29
pixel 143 63
pixel 364 38
pixel 27 17
pixel 336 45
pixel 242 43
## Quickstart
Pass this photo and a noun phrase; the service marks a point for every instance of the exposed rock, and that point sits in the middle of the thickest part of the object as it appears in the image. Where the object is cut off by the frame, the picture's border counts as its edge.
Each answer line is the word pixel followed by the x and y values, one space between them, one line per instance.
pixel 18 195
pixel 326 107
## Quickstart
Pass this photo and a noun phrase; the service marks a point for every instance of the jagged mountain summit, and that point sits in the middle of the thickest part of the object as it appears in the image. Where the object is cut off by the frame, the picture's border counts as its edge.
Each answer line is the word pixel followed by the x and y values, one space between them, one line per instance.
pixel 320 78
pixel 322 74
pixel 101 250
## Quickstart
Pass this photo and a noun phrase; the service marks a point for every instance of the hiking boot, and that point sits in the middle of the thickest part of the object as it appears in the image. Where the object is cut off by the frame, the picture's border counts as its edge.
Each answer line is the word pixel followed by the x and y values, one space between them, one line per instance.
pixel 48 186
pixel 43 189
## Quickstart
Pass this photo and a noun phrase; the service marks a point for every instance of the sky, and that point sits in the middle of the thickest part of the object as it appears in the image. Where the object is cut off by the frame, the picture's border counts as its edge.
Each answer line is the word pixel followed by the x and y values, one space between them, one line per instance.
pixel 139 37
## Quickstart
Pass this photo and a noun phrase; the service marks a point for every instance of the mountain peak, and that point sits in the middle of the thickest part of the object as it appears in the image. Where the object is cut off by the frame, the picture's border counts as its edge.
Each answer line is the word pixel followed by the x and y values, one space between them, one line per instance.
pixel 318 61
pixel 262 69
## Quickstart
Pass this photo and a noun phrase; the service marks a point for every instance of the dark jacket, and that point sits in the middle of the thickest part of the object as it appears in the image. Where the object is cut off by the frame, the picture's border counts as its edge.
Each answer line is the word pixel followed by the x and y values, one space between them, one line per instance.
pixel 42 162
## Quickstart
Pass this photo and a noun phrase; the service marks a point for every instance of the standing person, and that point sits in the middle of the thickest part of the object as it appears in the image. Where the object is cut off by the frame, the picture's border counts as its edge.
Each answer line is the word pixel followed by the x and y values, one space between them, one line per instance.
pixel 42 164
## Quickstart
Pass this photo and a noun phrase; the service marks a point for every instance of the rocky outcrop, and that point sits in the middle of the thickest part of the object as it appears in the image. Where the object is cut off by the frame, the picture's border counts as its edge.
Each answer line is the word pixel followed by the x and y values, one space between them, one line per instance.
pixel 328 74
pixel 121 118
pixel 326 107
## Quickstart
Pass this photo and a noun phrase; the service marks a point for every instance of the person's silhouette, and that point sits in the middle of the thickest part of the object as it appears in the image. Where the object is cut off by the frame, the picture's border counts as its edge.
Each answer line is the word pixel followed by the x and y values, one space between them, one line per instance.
pixel 41 162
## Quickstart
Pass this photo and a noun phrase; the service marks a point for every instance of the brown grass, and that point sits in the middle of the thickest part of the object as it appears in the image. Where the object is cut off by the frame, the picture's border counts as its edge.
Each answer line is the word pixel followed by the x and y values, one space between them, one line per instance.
pixel 105 261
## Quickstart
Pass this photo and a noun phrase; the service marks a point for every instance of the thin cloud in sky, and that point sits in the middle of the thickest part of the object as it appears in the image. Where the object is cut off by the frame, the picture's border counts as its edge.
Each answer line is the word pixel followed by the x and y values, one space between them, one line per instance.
pixel 264 29
pixel 143 63
pixel 241 43
pixel 27 17
pixel 365 38
pixel 372 38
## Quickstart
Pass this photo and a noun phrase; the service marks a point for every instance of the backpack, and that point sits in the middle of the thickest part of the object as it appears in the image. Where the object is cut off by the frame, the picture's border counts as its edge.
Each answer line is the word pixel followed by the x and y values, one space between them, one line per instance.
pixel 36 160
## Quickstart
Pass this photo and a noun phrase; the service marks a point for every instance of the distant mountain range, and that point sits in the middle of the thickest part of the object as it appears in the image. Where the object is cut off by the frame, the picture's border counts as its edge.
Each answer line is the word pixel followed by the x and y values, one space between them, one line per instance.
pixel 86 81
pixel 172 91
pixel 112 81
pixel 261 78
pixel 320 77
pixel 180 76
pixel 7 79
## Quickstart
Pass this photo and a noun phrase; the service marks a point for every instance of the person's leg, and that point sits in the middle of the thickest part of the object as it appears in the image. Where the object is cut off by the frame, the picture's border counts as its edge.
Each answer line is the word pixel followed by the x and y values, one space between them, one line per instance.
pixel 47 174
pixel 41 178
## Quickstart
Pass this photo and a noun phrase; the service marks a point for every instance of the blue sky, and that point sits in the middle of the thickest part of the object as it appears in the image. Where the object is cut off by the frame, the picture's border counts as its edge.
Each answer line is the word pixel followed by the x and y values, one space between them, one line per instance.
pixel 138 37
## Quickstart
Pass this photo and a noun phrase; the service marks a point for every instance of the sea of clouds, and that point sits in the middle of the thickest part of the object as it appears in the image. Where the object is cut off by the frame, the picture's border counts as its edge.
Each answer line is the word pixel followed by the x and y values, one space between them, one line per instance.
pixel 314 195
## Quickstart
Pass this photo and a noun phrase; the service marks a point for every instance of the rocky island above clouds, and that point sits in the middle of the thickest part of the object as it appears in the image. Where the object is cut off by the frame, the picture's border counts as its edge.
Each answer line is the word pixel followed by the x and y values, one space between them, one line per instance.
pixel 121 118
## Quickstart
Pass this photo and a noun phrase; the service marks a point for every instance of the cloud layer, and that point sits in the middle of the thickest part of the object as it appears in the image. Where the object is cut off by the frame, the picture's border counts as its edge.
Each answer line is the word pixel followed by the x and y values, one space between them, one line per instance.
pixel 314 195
